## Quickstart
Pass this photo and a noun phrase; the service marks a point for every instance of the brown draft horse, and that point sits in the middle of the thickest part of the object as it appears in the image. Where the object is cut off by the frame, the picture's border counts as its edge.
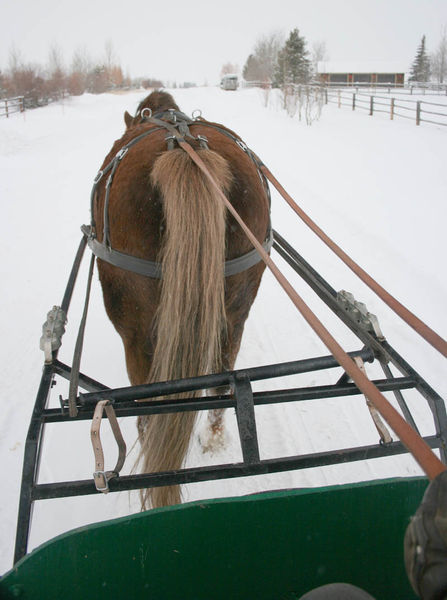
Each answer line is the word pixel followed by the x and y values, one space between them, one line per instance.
pixel 190 322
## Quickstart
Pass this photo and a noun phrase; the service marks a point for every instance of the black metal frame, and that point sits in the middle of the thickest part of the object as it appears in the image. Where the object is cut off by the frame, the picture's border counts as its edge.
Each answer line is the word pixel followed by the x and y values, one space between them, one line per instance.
pixel 241 398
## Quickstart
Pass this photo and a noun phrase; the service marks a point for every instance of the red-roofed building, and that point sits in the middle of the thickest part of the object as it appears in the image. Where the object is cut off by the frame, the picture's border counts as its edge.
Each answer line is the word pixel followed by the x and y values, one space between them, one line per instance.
pixel 352 73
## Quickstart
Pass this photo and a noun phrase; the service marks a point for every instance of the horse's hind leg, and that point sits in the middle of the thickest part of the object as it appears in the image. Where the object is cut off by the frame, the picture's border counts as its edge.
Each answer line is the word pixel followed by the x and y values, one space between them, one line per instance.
pixel 214 438
pixel 239 296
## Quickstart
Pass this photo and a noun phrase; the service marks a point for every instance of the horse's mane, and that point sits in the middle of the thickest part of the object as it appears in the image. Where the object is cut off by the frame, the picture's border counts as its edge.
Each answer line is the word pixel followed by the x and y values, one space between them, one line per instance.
pixel 157 101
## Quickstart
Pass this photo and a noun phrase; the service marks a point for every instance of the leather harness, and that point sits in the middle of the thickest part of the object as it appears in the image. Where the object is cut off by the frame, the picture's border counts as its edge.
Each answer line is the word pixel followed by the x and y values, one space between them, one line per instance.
pixel 177 125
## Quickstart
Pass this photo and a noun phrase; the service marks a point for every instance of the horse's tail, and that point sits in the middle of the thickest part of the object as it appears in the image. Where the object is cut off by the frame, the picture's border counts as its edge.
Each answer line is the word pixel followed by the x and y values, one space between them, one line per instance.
pixel 190 321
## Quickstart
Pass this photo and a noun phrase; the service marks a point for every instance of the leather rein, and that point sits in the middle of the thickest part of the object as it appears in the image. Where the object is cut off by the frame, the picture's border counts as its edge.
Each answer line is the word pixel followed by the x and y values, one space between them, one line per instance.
pixel 177 126
pixel 179 132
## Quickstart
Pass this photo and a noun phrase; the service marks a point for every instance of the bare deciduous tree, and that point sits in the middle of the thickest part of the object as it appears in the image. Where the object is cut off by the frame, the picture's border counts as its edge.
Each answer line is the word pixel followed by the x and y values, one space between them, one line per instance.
pixel 260 65
pixel 109 55
pixel 112 68
pixel 439 58
pixel 81 61
pixel 15 60
pixel 81 67
pixel 25 80
pixel 56 80
pixel 229 69
pixel 318 54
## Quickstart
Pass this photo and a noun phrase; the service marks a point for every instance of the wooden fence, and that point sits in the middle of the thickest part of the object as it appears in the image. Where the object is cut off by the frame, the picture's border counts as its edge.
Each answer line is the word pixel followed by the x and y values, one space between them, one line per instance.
pixel 420 111
pixel 411 88
pixel 11 105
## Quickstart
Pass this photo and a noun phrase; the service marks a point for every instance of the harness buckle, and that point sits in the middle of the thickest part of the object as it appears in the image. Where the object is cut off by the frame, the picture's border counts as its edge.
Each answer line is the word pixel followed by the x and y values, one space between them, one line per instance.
pixel 172 115
pixel 121 153
pixel 203 141
pixel 98 177
pixel 101 481
pixel 146 113
pixel 170 140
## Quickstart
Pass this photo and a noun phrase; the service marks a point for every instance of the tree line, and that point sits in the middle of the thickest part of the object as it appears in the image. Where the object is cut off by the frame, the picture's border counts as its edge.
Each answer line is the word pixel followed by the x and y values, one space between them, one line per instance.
pixel 41 85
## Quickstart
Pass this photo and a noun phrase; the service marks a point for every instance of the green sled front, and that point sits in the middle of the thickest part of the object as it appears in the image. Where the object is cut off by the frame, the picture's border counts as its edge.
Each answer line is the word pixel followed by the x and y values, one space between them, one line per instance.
pixel 272 546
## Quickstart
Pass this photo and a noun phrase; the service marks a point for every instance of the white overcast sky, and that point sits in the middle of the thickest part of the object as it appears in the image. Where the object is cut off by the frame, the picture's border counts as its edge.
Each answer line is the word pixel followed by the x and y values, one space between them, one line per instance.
pixel 190 40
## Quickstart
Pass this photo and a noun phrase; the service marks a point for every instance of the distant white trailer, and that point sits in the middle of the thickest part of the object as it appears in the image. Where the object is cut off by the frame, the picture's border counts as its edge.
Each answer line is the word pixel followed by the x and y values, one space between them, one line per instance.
pixel 229 82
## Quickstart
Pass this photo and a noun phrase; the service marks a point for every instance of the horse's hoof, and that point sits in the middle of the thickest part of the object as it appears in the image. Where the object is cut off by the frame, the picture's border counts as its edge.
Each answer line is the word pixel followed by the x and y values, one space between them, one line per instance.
pixel 213 439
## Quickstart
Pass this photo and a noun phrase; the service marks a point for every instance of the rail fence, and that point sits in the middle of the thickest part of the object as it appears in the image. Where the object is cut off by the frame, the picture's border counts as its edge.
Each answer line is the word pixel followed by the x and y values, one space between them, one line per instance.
pixel 11 105
pixel 413 88
pixel 409 89
pixel 373 99
pixel 419 111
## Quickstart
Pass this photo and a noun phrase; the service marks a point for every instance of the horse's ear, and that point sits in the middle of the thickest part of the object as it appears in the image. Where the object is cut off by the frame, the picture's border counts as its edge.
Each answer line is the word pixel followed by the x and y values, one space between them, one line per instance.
pixel 128 119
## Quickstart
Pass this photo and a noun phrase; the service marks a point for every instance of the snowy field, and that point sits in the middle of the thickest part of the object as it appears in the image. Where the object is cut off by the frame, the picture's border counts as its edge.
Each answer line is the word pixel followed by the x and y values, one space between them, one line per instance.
pixel 379 188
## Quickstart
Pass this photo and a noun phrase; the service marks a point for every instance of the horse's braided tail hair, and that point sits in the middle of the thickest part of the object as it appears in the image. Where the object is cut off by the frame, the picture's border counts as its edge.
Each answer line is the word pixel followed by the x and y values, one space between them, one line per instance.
pixel 190 321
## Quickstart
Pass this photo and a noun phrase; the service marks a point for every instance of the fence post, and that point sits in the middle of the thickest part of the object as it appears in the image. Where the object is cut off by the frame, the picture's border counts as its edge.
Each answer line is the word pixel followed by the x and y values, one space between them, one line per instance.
pixel 6 108
pixel 22 104
pixel 371 105
pixel 339 99
pixel 392 109
pixel 325 96
pixel 418 112
pixel 353 101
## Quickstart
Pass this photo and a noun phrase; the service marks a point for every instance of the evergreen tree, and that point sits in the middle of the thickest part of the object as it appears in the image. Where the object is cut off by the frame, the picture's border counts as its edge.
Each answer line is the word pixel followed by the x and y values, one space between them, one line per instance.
pixel 293 64
pixel 420 69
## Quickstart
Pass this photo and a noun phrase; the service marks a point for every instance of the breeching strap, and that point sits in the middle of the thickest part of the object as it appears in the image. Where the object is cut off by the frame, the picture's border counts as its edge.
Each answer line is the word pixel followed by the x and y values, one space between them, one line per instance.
pixel 423 454
pixel 411 319
pixel 76 364
pixel 100 476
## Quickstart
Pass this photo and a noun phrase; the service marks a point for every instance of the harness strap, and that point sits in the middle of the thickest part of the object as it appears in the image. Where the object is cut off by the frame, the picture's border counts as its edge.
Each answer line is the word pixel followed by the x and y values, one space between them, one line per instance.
pixel 385 437
pixel 411 319
pixel 76 364
pixel 423 454
pixel 152 269
pixel 100 476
